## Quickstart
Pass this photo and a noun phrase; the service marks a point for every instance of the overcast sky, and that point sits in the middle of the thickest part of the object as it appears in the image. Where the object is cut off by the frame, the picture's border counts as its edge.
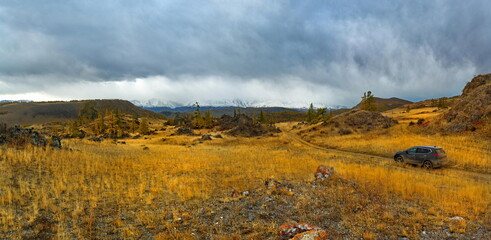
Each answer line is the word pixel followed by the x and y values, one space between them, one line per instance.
pixel 286 53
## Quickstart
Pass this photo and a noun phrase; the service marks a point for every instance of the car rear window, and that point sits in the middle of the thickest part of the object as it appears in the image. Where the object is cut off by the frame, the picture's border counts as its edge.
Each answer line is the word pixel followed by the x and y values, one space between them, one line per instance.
pixel 440 151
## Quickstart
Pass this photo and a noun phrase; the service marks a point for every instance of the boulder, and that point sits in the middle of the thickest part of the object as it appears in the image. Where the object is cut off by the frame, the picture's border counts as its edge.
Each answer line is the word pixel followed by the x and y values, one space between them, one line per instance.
pixel 206 137
pixel 38 140
pixel 55 142
pixel 218 136
pixel 96 139
pixel 324 172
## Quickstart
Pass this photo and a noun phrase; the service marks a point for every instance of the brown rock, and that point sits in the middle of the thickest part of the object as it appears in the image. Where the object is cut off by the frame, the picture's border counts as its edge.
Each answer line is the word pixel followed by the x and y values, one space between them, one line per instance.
pixel 324 172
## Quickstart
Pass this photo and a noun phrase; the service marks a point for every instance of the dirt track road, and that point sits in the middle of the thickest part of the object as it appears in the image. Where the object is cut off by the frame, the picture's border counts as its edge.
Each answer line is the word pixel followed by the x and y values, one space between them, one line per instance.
pixel 389 163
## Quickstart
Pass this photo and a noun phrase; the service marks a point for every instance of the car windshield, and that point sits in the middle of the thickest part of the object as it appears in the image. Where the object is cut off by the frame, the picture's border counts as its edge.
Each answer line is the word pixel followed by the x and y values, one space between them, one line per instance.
pixel 412 150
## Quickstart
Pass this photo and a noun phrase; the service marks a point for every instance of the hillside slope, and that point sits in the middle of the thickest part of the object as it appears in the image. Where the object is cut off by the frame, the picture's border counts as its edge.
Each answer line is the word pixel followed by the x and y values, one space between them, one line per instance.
pixel 384 104
pixel 28 113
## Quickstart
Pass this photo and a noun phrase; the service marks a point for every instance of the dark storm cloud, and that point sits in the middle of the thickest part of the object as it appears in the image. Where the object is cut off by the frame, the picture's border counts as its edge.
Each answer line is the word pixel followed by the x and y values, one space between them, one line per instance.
pixel 349 46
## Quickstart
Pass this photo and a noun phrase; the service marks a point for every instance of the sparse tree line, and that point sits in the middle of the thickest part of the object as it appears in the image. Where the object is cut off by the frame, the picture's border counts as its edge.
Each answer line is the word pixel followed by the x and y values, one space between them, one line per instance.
pixel 318 115
pixel 107 123
pixel 198 119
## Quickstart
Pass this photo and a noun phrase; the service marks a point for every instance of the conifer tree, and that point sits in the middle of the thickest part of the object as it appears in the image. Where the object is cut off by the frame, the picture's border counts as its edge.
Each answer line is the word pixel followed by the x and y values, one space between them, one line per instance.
pixel 368 102
pixel 330 115
pixel 100 125
pixel 134 123
pixel 208 119
pixel 144 126
pixel 311 114
pixel 261 118
pixel 442 103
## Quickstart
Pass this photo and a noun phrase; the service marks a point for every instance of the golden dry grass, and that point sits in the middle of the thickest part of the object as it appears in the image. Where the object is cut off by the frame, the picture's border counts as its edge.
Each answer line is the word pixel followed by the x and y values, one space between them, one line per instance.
pixel 94 185
pixel 464 150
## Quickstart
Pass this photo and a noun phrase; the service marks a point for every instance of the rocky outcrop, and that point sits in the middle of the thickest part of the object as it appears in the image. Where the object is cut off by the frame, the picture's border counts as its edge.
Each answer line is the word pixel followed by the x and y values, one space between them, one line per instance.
pixel 20 137
pixel 185 131
pixel 360 119
pixel 473 109
pixel 244 126
pixel 476 82
pixel 354 121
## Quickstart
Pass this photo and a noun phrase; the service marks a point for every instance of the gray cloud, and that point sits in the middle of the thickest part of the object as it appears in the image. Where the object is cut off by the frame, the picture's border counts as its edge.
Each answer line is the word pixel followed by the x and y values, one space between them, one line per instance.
pixel 412 49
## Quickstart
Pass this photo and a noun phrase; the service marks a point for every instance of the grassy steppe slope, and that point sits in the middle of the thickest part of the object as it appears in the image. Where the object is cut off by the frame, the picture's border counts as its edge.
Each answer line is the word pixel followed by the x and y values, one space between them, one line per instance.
pixel 181 189
pixel 464 150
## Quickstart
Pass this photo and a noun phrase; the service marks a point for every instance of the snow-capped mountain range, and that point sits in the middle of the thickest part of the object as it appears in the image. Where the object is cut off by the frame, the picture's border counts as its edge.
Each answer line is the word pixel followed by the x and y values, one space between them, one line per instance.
pixel 154 103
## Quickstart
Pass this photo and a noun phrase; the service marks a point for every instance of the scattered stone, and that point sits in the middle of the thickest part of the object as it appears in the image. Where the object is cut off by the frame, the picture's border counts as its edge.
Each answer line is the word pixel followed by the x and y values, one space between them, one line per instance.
pixel 302 231
pixel 274 186
pixel 324 172
pixel 272 183
pixel 234 193
pixel 146 148
pixel 457 218
pixel 206 137
pixel 136 136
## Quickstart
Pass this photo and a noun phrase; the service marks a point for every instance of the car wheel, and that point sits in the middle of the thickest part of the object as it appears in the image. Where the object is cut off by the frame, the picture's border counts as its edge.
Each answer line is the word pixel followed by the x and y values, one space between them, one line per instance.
pixel 399 158
pixel 428 165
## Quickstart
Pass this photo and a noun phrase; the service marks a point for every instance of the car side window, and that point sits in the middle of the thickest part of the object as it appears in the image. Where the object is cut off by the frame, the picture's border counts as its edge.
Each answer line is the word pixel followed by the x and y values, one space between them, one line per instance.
pixel 412 150
pixel 423 150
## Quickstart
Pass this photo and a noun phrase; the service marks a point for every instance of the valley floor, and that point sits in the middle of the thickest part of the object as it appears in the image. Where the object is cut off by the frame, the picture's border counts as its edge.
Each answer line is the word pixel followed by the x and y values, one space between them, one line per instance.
pixel 176 187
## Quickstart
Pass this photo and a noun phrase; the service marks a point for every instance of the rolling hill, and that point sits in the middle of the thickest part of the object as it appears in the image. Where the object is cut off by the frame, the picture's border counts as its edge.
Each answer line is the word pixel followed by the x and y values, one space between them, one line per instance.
pixel 384 104
pixel 28 113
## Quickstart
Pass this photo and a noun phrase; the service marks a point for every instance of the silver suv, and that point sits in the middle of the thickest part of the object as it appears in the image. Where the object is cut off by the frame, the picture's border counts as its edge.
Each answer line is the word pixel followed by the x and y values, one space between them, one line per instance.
pixel 424 156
